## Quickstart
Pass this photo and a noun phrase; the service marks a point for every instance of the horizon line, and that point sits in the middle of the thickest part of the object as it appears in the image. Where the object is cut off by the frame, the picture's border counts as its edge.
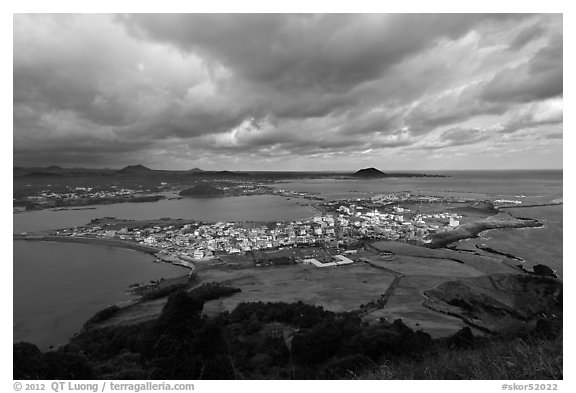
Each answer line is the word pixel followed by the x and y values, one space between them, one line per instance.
pixel 290 170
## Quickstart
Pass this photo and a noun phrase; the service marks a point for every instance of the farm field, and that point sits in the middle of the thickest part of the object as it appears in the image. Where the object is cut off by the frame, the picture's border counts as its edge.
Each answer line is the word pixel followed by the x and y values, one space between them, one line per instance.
pixel 339 288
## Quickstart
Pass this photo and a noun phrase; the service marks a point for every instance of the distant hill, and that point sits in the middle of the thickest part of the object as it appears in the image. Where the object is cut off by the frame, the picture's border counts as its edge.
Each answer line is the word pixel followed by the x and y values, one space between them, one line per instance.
pixel 195 170
pixel 202 190
pixel 228 174
pixel 369 172
pixel 135 169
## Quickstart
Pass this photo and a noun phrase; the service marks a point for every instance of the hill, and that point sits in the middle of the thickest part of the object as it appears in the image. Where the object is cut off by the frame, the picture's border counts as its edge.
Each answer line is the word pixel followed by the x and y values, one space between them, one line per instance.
pixel 135 169
pixel 195 170
pixel 369 172
pixel 251 343
pixel 202 190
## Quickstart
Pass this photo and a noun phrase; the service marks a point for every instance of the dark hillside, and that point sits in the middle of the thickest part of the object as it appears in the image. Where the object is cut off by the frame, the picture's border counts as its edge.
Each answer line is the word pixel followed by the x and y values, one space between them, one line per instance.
pixel 369 172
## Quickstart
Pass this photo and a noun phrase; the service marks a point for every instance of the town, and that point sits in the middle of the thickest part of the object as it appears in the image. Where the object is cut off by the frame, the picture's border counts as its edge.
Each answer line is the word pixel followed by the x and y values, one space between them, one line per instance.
pixel 344 230
pixel 81 196
pixel 56 196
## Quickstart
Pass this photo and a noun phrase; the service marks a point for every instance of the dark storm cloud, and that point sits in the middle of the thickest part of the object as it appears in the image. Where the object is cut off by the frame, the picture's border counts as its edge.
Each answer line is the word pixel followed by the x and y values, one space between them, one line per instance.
pixel 182 86
pixel 316 52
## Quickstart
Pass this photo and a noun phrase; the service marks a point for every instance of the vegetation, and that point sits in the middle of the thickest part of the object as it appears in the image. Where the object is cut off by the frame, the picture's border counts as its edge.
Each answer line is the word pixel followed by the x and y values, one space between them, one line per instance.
pixel 285 341
pixel 531 357
pixel 212 290
pixel 202 190
pixel 157 292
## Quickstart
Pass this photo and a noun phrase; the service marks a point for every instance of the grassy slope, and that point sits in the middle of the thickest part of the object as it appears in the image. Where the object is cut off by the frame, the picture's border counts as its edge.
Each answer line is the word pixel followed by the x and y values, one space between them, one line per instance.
pixel 520 358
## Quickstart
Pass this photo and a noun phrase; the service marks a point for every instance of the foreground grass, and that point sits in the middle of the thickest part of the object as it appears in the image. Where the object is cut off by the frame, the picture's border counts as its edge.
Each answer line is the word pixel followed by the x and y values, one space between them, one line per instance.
pixel 520 358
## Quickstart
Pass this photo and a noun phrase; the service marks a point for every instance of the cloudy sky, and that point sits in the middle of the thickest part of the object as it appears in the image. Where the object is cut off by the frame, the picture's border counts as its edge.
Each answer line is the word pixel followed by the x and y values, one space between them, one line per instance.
pixel 289 92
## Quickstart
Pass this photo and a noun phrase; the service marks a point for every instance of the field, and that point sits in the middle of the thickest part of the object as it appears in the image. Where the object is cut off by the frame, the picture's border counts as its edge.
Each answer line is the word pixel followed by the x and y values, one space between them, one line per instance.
pixel 389 277
pixel 433 267
pixel 339 288
pixel 465 263
pixel 421 269
pixel 406 304
pixel 416 270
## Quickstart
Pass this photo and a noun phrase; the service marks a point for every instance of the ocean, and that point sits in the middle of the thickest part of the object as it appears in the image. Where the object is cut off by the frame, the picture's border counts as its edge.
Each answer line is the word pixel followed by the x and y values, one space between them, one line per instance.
pixel 536 186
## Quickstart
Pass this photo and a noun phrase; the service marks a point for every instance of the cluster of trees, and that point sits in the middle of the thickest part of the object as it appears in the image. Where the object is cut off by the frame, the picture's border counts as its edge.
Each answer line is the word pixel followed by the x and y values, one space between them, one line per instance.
pixel 103 315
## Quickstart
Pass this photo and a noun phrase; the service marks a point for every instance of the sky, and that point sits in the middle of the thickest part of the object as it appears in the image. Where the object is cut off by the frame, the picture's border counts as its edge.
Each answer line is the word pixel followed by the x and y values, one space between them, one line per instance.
pixel 288 92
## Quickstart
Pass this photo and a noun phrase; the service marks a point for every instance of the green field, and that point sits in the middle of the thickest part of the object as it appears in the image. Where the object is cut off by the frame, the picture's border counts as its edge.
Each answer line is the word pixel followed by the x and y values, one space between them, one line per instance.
pixel 486 264
pixel 339 288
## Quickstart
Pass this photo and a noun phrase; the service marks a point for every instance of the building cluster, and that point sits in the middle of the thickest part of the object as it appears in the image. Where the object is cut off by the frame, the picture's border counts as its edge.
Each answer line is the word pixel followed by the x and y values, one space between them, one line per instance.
pixel 503 202
pixel 392 197
pixel 396 223
pixel 202 240
pixel 407 196
pixel 351 222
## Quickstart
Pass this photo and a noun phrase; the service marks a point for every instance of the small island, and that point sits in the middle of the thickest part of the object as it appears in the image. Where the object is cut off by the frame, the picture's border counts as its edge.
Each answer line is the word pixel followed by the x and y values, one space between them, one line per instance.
pixel 134 170
pixel 373 173
pixel 369 172
pixel 202 190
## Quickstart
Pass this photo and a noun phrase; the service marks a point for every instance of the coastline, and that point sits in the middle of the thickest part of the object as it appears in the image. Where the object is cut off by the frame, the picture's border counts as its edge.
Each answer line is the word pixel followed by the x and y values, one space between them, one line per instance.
pixel 471 230
pixel 553 203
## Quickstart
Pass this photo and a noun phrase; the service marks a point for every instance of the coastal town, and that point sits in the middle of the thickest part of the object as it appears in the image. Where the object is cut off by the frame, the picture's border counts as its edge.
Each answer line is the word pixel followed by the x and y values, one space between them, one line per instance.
pixel 54 196
pixel 340 226
pixel 80 196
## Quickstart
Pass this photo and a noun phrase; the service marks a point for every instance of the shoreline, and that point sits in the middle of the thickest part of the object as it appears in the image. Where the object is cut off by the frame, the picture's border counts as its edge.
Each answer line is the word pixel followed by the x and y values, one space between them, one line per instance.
pixel 472 230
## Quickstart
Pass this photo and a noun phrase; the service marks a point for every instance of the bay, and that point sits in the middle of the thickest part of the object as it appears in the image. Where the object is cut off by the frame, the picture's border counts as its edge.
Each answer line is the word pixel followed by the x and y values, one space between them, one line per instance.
pixel 244 208
pixel 59 286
